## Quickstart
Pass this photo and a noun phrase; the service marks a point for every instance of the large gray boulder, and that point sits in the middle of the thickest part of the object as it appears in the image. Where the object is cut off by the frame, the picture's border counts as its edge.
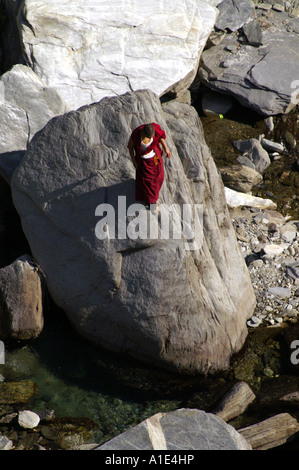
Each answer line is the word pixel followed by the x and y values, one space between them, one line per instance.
pixel 181 303
pixel 263 78
pixel 183 429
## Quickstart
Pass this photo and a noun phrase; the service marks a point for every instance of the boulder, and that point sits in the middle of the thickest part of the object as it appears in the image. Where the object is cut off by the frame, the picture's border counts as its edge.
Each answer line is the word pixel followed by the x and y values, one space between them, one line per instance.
pixel 102 49
pixel 253 33
pixel 263 78
pixel 234 13
pixel 240 177
pixel 254 151
pixel 27 105
pixel 176 301
pixel 188 429
pixel 236 199
pixel 21 309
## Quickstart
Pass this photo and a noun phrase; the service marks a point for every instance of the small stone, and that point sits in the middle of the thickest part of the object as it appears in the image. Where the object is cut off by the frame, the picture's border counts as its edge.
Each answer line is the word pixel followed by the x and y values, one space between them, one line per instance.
pixel 268 372
pixel 254 321
pixel 258 263
pixel 272 249
pixel 28 419
pixel 278 7
pixel 272 146
pixel 282 292
pixel 5 443
pixel 272 227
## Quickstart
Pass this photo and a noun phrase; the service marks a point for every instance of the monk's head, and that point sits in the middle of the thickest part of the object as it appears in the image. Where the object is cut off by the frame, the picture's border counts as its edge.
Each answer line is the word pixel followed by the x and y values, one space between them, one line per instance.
pixel 148 131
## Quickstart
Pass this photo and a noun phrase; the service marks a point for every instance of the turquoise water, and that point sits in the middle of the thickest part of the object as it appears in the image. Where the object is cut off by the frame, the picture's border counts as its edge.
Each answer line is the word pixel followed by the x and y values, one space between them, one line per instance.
pixel 77 380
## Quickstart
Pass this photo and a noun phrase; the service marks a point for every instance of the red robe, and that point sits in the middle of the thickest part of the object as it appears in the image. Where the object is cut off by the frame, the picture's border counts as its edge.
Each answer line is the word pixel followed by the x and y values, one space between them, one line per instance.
pixel 150 171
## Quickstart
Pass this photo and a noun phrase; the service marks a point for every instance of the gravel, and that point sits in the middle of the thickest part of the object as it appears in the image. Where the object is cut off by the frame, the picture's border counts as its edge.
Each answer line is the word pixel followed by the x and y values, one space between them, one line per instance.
pixel 273 263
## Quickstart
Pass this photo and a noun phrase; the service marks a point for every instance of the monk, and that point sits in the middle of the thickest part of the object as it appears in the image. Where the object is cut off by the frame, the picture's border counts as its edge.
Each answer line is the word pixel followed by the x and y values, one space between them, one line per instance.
pixel 146 153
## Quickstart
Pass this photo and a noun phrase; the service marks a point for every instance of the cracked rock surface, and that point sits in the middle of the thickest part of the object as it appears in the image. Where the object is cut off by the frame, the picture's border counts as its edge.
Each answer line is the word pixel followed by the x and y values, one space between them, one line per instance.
pixel 101 48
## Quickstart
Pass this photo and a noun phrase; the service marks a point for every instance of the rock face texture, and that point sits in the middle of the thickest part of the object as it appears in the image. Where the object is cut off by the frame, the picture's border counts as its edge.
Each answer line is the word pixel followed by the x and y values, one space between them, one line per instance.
pixel 100 48
pixel 188 429
pixel 21 301
pixel 179 302
pixel 260 73
pixel 24 93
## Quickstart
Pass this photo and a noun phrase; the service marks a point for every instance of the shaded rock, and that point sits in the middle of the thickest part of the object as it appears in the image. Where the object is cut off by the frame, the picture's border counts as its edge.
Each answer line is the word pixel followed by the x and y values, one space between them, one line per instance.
pixel 243 160
pixel 234 13
pixel 9 161
pixel 253 33
pixel 253 150
pixel 180 303
pixel 96 51
pixel 271 146
pixel 17 392
pixel 240 178
pixel 291 399
pixel 188 429
pixel 21 309
pixel 215 103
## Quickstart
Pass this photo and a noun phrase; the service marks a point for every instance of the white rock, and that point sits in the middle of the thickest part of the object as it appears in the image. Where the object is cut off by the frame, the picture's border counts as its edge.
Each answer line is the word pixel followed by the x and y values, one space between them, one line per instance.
pixel 5 443
pixel 272 249
pixel 236 199
pixel 28 419
pixel 98 48
pixel 254 321
pixel 28 105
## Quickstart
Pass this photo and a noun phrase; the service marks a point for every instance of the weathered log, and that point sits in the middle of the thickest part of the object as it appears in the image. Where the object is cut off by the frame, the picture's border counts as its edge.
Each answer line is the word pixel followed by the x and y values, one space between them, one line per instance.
pixel 271 432
pixel 235 401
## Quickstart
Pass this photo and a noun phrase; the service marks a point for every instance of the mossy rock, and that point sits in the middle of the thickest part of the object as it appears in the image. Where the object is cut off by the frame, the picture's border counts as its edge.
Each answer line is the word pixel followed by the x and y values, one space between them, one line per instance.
pixel 17 392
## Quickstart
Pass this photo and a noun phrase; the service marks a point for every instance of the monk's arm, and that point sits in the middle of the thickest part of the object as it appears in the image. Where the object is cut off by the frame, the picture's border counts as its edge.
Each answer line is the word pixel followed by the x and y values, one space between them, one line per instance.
pixel 132 152
pixel 165 148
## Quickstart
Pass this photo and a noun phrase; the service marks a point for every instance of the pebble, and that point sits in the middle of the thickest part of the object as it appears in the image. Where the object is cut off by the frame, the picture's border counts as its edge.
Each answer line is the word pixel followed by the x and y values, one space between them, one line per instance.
pixel 254 321
pixel 28 419
pixel 5 443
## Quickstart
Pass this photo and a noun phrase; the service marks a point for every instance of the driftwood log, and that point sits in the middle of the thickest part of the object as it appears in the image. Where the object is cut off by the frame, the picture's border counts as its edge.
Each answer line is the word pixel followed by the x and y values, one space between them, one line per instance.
pixel 235 401
pixel 271 432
